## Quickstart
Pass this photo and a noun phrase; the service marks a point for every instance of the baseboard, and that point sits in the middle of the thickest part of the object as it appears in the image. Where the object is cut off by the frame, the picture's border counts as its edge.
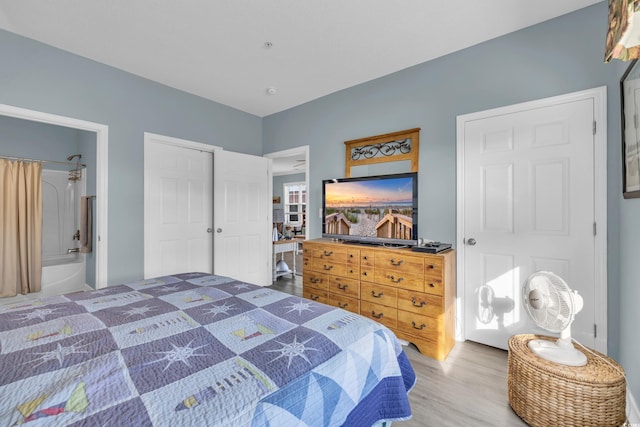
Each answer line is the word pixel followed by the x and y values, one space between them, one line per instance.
pixel 632 410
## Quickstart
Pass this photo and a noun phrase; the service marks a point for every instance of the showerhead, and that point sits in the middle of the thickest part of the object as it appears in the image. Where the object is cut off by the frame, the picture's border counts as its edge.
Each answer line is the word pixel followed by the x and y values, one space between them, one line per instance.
pixel 71 157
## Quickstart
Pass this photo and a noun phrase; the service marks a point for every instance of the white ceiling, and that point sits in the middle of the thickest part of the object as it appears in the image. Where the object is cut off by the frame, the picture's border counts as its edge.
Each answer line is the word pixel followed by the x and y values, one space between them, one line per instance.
pixel 288 165
pixel 216 48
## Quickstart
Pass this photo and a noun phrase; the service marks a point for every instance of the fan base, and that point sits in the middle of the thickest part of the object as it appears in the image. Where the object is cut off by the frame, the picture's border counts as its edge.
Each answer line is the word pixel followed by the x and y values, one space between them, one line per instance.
pixel 282 267
pixel 564 355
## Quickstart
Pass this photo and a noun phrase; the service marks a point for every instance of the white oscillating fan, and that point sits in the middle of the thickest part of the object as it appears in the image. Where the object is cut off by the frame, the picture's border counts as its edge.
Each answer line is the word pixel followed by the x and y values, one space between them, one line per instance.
pixel 553 306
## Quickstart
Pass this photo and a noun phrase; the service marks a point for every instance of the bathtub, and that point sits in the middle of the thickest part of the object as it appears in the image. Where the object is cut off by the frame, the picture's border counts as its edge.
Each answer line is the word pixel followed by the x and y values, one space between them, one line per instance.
pixel 63 274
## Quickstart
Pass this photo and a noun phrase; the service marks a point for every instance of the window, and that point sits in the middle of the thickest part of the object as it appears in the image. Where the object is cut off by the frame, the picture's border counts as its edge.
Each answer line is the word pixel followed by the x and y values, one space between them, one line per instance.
pixel 295 203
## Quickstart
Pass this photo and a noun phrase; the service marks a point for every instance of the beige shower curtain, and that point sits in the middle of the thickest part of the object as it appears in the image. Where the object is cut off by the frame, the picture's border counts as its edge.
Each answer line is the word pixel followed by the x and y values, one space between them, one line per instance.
pixel 20 227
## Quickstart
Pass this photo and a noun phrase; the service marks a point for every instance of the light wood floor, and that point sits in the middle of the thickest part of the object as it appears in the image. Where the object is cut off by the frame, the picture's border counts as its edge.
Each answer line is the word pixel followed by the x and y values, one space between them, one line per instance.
pixel 467 389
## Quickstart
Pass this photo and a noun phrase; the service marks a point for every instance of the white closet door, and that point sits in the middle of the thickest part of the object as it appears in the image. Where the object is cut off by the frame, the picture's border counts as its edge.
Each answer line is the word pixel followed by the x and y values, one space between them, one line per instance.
pixel 242 217
pixel 178 210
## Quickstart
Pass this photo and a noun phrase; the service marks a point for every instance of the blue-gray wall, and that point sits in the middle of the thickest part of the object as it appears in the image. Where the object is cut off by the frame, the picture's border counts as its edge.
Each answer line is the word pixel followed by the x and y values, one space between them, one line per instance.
pixel 38 77
pixel 559 56
pixel 33 140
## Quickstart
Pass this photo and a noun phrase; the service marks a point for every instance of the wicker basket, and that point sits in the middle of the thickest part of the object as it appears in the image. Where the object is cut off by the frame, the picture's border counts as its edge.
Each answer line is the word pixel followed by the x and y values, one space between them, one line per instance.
pixel 545 393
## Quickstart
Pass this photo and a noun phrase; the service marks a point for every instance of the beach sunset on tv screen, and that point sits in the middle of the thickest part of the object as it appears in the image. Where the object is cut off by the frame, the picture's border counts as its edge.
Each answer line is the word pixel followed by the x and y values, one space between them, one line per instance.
pixel 370 208
pixel 398 191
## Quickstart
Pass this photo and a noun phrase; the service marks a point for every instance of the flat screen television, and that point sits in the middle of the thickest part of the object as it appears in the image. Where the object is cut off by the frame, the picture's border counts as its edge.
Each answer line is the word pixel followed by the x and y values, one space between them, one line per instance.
pixel 374 209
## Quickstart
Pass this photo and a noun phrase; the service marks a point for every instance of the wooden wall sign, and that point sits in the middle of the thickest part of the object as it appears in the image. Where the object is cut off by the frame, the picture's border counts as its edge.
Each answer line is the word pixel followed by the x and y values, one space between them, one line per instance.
pixel 390 147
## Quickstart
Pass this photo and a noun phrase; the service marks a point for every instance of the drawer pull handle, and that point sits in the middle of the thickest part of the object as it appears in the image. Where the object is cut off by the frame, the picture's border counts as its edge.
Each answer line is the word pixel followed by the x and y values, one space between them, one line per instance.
pixel 350 271
pixel 398 280
pixel 431 266
pixel 327 267
pixel 365 258
pixel 364 273
pixel 377 316
pixel 314 280
pixel 328 253
pixel 421 327
pixel 341 305
pixel 315 297
pixel 373 294
pixel 342 287
pixel 432 285
pixel 414 301
pixel 350 255
pixel 396 263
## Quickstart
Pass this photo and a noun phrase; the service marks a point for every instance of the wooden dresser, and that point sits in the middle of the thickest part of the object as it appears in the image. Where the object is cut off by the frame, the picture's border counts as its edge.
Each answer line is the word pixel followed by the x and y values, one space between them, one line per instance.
pixel 412 293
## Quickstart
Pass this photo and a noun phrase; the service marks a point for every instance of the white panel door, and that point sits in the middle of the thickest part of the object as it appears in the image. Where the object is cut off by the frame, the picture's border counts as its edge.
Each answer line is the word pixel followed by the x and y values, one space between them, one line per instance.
pixel 242 217
pixel 178 210
pixel 528 206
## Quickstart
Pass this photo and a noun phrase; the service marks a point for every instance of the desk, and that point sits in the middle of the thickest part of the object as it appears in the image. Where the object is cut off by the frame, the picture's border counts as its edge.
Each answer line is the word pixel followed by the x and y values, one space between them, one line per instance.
pixel 280 247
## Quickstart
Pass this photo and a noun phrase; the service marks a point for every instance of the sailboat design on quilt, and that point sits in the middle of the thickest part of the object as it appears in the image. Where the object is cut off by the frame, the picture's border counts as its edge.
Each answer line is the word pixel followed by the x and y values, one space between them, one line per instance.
pixel 77 402
pixel 252 329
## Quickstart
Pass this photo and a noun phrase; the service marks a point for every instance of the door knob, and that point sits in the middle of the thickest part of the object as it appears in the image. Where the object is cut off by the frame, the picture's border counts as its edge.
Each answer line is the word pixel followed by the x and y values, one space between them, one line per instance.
pixel 209 230
pixel 218 230
pixel 471 242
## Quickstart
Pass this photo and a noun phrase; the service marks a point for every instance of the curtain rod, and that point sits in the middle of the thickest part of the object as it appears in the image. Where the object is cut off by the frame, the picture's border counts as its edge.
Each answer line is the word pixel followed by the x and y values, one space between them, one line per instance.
pixel 43 161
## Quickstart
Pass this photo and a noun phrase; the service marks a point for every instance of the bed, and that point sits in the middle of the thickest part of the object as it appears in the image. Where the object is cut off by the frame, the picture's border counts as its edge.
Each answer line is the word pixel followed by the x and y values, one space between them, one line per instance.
pixel 197 349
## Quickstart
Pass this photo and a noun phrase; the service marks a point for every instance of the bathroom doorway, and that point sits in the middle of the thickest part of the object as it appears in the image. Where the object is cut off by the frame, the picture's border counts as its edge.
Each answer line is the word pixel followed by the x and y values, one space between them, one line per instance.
pixel 95 136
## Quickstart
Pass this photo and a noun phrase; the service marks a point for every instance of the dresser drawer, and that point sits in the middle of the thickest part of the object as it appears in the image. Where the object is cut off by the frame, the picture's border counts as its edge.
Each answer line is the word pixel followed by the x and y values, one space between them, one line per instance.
pixel 329 267
pixel 367 258
pixel 433 267
pixel 352 271
pixel 315 295
pixel 421 326
pixel 435 287
pixel 315 280
pixel 308 248
pixel 386 315
pixel 335 253
pixel 335 268
pixel 400 262
pixel 379 294
pixel 344 286
pixel 353 256
pixel 344 302
pixel 367 274
pixel 420 303
pixel 399 279
pixel 307 262
pixel 312 264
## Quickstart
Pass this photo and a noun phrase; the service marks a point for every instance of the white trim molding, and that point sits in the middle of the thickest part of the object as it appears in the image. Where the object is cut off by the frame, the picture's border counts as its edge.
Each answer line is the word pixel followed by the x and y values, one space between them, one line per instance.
pixel 102 171
pixel 178 142
pixel 633 414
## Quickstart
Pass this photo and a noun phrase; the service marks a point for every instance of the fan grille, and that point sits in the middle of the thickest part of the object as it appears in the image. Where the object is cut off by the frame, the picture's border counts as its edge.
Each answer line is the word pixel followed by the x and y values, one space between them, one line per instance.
pixel 547 299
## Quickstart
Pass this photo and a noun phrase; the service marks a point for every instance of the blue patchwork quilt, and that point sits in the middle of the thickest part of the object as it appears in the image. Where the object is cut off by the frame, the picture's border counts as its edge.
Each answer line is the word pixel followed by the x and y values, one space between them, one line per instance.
pixel 196 350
